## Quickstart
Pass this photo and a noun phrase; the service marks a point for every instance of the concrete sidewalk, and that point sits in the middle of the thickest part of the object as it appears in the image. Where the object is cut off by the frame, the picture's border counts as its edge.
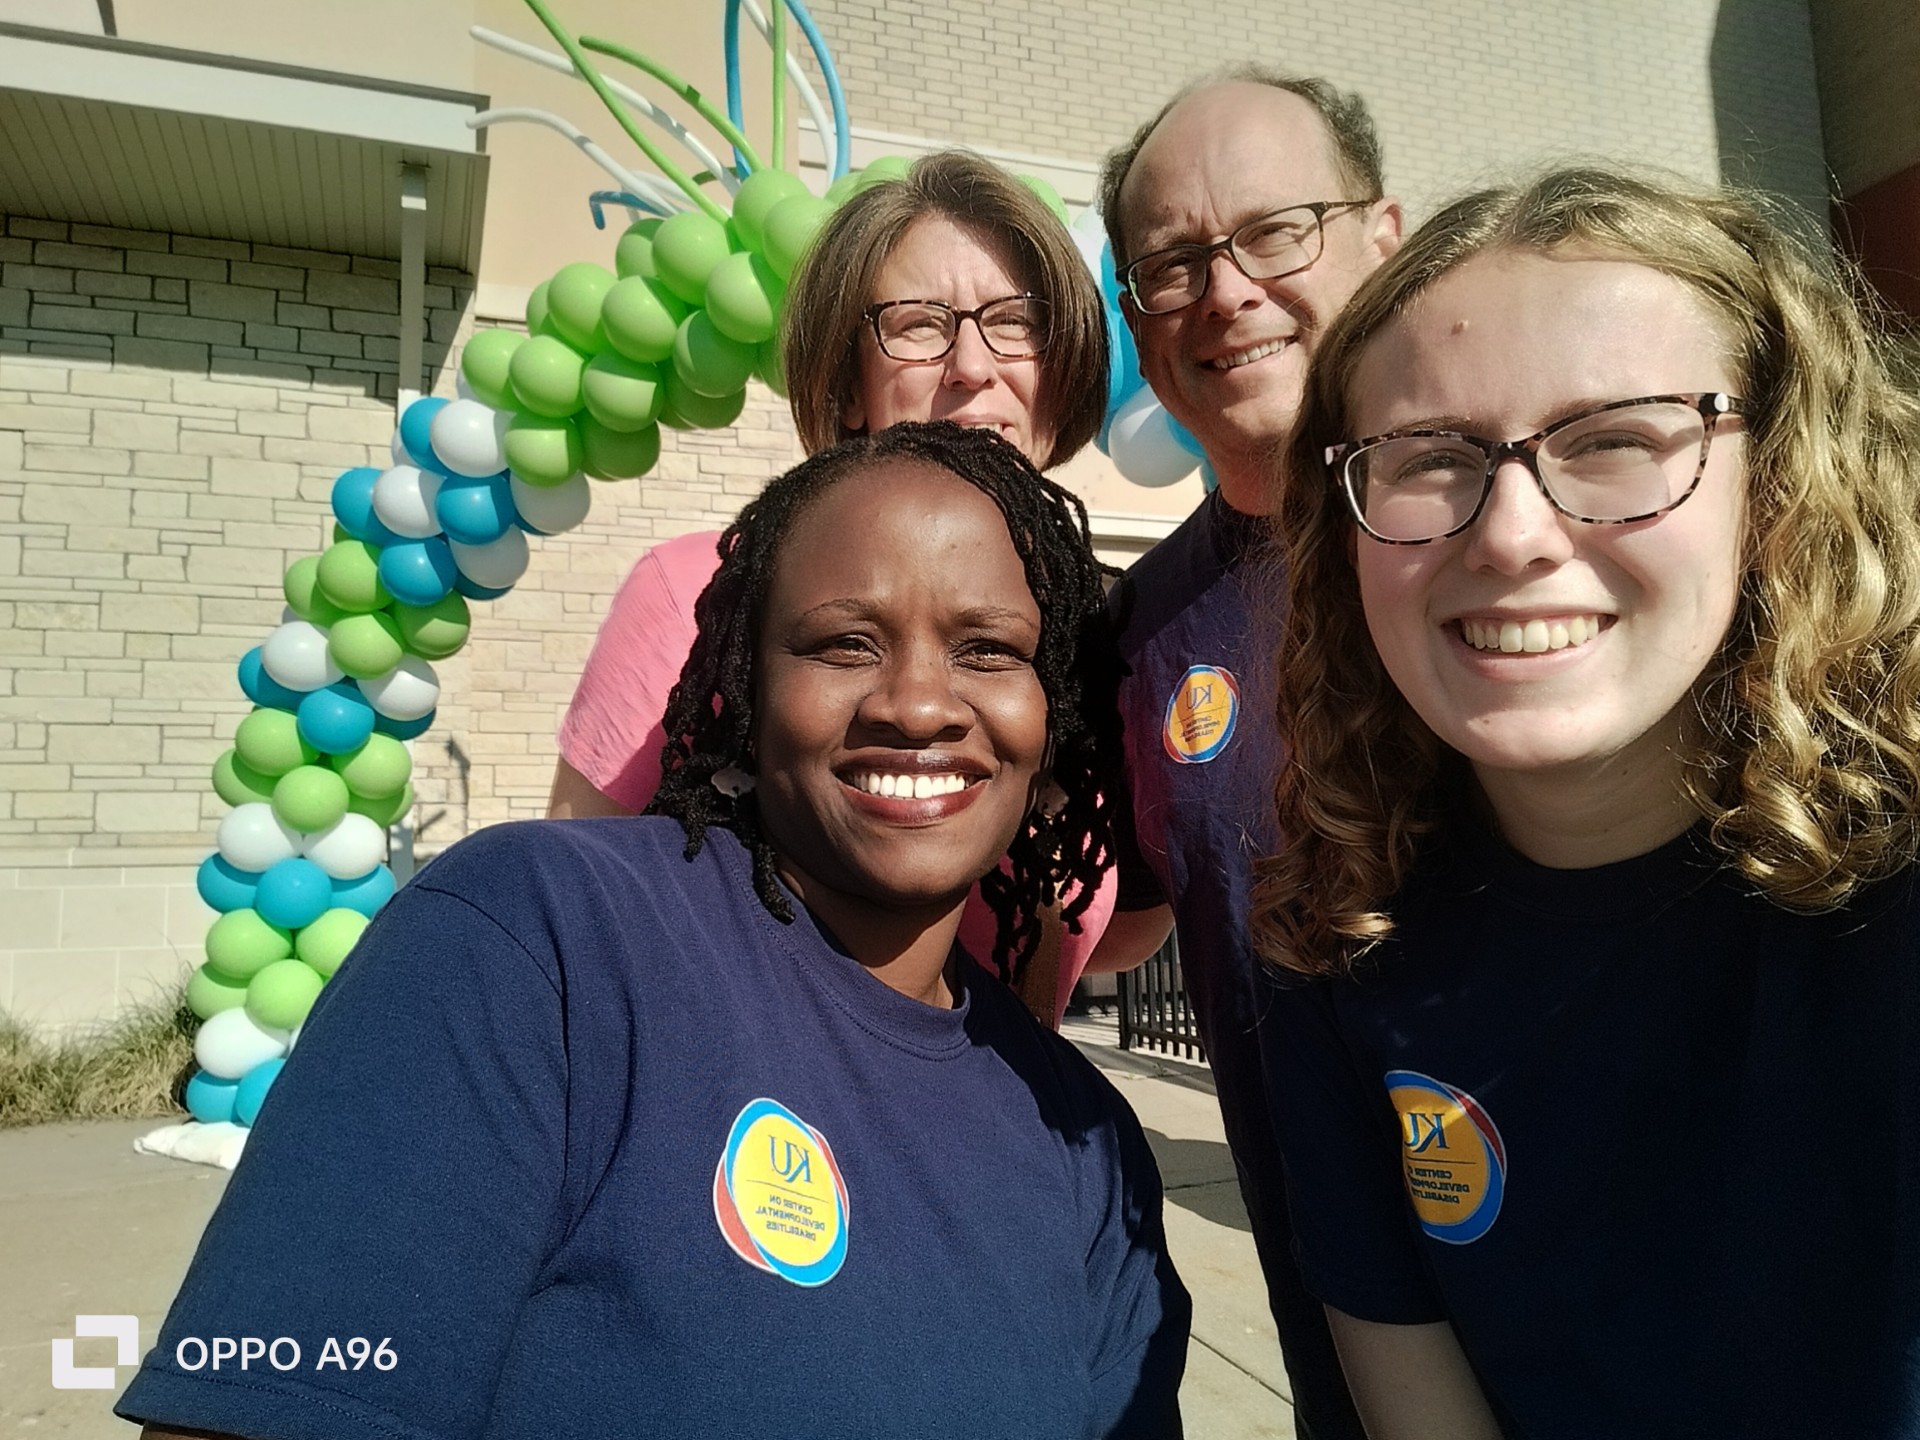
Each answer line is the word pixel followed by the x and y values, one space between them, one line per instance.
pixel 89 1228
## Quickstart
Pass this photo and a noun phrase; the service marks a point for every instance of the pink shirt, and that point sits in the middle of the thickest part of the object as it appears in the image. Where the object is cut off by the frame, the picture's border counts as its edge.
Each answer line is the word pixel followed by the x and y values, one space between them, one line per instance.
pixel 613 733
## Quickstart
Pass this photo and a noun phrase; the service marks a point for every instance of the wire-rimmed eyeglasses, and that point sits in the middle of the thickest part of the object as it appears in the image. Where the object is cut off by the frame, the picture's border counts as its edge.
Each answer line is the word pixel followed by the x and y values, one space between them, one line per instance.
pixel 1280 243
pixel 1014 327
pixel 1611 464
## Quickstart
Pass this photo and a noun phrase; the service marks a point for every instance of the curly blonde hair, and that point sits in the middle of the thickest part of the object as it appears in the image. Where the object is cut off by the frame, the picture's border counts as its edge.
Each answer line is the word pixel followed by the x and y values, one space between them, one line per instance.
pixel 1807 763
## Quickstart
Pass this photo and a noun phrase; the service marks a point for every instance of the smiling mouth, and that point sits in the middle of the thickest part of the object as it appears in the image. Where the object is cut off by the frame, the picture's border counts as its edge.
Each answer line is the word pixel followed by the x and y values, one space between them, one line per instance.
pixel 1247 357
pixel 909 787
pixel 1530 637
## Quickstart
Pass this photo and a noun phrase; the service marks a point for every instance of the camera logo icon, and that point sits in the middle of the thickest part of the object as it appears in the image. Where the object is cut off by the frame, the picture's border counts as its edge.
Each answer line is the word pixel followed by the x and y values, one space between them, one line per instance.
pixel 123 1330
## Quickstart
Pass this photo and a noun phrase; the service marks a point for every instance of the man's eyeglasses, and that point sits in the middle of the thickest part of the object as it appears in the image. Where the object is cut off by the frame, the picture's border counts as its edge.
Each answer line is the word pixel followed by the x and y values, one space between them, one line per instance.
pixel 1283 242
pixel 1014 327
pixel 1616 463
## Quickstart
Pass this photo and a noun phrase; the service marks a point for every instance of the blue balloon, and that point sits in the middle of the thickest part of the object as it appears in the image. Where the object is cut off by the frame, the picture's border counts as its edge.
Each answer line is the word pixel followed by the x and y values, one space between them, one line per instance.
pixel 418 572
pixel 337 719
pixel 367 894
pixel 293 892
pixel 404 729
pixel 416 428
pixel 250 1090
pixel 211 1100
pixel 262 688
pixel 474 512
pixel 353 507
pixel 223 886
pixel 475 591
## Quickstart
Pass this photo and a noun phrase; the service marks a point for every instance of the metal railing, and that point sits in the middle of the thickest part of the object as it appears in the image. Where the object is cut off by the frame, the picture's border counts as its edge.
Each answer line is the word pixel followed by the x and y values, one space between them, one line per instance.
pixel 1155 1013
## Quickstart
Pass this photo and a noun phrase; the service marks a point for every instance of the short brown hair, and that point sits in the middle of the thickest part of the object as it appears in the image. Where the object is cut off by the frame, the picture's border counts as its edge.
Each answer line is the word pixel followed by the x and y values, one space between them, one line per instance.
pixel 833 286
pixel 1353 140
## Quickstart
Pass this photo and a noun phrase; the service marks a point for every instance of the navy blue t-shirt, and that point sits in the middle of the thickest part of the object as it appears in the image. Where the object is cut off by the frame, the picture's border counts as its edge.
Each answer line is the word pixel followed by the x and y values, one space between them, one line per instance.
pixel 1200 631
pixel 598 1147
pixel 1649 1142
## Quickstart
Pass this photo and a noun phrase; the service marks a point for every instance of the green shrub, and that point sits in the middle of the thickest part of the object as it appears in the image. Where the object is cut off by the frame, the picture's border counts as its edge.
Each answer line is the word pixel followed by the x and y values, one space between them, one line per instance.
pixel 127 1068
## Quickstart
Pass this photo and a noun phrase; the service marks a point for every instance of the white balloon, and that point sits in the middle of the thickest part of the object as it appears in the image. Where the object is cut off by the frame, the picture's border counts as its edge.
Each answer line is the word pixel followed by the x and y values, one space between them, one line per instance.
pixel 348 848
pixel 253 838
pixel 461 388
pixel 1142 443
pixel 552 509
pixel 397 448
pixel 232 1042
pixel 470 438
pixel 403 500
pixel 406 692
pixel 496 564
pixel 296 656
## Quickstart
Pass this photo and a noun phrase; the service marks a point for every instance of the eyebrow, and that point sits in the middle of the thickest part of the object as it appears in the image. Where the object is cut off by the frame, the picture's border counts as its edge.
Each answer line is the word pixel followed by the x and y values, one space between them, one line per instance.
pixel 977 615
pixel 1555 415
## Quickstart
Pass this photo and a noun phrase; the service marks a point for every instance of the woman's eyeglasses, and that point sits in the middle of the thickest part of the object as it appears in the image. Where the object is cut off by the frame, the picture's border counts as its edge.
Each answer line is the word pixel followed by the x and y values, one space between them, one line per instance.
pixel 1613 464
pixel 1014 327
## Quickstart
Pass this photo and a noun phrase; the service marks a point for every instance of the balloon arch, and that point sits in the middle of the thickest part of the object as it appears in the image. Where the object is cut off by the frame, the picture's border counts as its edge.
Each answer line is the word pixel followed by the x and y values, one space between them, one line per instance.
pixel 670 335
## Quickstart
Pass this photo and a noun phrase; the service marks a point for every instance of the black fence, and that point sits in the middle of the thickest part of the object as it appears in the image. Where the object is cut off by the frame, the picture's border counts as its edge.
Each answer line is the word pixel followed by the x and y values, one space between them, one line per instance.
pixel 1155 1013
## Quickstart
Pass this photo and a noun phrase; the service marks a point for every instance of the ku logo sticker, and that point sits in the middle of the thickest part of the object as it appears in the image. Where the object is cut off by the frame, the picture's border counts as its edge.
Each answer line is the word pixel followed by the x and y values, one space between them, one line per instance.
pixel 1455 1161
pixel 779 1196
pixel 1201 714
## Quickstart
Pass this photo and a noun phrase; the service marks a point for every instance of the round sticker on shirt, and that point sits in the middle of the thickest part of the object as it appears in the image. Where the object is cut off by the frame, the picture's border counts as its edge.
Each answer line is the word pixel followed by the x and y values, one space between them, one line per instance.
pixel 1201 714
pixel 1455 1161
pixel 779 1196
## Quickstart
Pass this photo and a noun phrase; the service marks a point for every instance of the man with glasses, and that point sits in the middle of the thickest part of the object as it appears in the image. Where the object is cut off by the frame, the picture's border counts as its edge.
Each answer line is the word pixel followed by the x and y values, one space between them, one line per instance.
pixel 1242 216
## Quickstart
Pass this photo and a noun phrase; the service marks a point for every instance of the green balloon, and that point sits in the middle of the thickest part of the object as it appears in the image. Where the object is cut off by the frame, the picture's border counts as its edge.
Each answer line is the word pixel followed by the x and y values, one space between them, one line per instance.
pixel 573 304
pixel 879 172
pixel 622 394
pixel 539 317
pixel 240 944
pixel 365 646
pixel 209 992
pixel 687 409
pixel 841 190
pixel 757 195
pixel 329 940
pixel 634 254
pixel 641 316
pixel 433 632
pixel 339 534
pixel 378 769
pixel 301 587
pixel 707 361
pixel 385 809
pixel 485 361
pixel 237 782
pixel 1049 196
pixel 349 576
pixel 311 798
pixel 282 993
pixel 546 376
pixel 744 298
pixel 269 742
pixel 686 247
pixel 618 454
pixel 770 368
pixel 542 451
pixel 790 228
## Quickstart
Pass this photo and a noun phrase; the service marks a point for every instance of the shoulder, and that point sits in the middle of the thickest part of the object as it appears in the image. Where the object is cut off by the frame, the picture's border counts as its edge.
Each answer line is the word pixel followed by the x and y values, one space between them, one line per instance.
pixel 1163 584
pixel 669 576
pixel 1072 1094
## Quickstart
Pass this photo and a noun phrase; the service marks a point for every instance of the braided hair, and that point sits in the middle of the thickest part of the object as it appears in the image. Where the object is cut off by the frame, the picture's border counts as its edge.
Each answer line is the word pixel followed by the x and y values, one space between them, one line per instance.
pixel 710 715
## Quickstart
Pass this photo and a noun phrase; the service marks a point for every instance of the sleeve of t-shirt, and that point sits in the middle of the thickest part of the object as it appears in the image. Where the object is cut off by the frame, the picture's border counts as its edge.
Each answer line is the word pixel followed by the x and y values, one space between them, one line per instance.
pixel 613 733
pixel 1340 1141
pixel 1143 1310
pixel 402 1188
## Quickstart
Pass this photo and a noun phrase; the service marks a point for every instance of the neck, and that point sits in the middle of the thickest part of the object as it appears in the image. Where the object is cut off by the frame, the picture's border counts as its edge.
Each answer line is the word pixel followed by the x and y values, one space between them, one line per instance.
pixel 1577 818
pixel 1250 483
pixel 905 950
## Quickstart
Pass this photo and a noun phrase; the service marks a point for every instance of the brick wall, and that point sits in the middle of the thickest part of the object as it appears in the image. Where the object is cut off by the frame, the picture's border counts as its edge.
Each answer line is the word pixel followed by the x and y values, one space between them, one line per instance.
pixel 1463 90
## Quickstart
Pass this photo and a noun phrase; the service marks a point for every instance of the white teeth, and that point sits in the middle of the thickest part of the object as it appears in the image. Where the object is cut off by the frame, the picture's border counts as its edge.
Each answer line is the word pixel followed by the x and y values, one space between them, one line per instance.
pixel 1247 357
pixel 909 787
pixel 1531 637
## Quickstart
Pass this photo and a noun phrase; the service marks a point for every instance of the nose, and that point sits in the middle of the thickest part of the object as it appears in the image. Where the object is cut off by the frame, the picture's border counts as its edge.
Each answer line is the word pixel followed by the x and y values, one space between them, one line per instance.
pixel 970 364
pixel 1518 527
pixel 913 697
pixel 1229 291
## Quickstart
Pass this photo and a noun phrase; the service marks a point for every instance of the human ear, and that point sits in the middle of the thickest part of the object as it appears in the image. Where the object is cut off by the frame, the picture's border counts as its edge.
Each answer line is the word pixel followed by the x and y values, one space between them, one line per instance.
pixel 853 413
pixel 1388 224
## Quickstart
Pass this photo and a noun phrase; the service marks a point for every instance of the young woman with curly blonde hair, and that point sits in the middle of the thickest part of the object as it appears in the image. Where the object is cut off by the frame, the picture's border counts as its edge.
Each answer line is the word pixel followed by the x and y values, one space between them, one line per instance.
pixel 1601 694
